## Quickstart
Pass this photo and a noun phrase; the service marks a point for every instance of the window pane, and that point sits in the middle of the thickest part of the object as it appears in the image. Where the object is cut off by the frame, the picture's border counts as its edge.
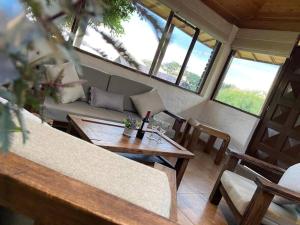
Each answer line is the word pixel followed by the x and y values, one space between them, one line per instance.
pixel 198 62
pixel 247 82
pixel 140 40
pixel 176 51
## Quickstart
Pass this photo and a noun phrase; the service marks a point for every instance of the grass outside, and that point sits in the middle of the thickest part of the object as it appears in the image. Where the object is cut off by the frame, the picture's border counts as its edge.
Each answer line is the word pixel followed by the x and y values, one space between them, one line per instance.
pixel 249 101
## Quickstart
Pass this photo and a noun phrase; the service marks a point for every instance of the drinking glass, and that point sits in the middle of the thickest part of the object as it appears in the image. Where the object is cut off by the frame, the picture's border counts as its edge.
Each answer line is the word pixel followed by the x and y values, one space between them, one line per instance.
pixel 162 129
pixel 153 125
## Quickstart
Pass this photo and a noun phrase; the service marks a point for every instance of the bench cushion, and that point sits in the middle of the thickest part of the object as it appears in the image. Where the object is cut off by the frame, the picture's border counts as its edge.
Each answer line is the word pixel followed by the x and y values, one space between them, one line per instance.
pixel 59 112
pixel 240 190
pixel 95 166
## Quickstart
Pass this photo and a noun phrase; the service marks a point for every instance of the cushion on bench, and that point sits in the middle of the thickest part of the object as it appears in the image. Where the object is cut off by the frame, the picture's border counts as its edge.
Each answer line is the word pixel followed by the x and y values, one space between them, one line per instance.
pixel 95 166
pixel 240 190
pixel 59 112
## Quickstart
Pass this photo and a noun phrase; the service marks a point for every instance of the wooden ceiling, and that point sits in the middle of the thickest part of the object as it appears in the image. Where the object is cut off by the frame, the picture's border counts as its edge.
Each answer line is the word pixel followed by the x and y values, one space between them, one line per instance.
pixel 259 14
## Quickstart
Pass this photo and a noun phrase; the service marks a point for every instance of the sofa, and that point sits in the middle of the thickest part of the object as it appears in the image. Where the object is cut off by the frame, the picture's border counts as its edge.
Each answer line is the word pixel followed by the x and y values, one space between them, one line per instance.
pixel 56 178
pixel 106 82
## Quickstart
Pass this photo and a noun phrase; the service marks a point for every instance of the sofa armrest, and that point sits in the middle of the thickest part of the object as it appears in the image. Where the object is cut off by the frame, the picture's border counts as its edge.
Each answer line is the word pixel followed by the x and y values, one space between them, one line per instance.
pixel 254 161
pixel 276 189
pixel 177 124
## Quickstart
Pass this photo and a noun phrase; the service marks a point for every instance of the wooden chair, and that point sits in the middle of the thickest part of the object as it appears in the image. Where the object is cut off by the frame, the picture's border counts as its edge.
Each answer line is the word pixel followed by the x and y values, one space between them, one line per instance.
pixel 192 131
pixel 251 201
pixel 214 134
pixel 186 137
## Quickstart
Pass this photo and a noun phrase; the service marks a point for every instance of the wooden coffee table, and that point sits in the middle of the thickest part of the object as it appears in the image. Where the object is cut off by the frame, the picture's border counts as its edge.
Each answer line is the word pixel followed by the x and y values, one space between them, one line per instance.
pixel 109 135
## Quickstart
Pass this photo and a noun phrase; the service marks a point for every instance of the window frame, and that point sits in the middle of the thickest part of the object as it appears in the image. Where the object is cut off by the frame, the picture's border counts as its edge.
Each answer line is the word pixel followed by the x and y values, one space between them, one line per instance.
pixel 222 77
pixel 155 62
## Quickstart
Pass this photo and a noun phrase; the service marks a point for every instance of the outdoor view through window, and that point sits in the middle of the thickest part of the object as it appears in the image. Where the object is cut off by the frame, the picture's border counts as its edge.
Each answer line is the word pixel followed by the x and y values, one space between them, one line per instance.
pixel 248 79
pixel 141 39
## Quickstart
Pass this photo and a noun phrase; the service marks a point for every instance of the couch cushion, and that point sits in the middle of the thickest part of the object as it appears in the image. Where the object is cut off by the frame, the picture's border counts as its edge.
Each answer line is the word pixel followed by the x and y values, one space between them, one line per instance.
pixel 66 94
pixel 290 180
pixel 59 112
pixel 149 101
pixel 95 166
pixel 126 87
pixel 107 100
pixel 240 190
pixel 95 78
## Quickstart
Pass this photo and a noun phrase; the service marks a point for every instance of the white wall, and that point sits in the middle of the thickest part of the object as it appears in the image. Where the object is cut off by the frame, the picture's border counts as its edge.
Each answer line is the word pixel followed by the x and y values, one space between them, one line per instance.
pixel 237 124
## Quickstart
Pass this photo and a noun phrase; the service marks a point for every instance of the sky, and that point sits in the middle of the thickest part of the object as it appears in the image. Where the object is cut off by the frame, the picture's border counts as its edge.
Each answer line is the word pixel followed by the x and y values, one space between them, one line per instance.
pixel 10 8
pixel 140 40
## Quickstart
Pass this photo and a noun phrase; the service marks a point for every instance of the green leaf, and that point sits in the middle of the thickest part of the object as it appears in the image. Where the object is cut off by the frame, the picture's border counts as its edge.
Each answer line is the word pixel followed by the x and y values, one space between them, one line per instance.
pixel 22 125
pixel 7 126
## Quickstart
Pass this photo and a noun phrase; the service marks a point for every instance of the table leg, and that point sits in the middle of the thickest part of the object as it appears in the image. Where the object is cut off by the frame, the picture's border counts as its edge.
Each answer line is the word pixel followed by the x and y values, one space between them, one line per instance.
pixel 180 168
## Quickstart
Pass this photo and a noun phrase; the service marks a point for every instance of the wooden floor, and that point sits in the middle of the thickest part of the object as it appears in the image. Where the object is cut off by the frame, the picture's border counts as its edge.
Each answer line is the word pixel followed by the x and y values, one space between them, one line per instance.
pixel 193 193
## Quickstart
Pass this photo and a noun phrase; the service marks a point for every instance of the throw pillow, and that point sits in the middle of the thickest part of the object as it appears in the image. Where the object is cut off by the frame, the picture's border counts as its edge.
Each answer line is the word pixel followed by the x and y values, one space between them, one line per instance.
pixel 149 101
pixel 290 180
pixel 108 100
pixel 67 94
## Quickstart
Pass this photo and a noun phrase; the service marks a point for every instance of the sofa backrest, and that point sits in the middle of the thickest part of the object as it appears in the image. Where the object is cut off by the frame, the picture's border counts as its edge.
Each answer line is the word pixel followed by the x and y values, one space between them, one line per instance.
pixel 95 78
pixel 114 84
pixel 126 87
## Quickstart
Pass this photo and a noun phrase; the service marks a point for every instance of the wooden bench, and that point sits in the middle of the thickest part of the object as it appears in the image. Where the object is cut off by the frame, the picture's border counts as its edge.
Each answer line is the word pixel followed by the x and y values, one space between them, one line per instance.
pixel 49 197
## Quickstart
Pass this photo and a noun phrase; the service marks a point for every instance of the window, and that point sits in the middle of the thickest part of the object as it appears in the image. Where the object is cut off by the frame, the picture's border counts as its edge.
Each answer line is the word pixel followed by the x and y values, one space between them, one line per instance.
pixel 186 56
pixel 248 79
pixel 193 76
pixel 139 39
pixel 178 52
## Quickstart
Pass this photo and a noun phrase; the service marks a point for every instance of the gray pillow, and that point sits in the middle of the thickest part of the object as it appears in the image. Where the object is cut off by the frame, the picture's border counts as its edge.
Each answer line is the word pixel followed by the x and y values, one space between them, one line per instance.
pixel 108 100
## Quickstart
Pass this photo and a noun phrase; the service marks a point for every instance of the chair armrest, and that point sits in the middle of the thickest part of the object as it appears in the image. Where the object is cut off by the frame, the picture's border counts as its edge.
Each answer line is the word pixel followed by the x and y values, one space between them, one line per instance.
pixel 176 117
pixel 177 125
pixel 257 162
pixel 276 189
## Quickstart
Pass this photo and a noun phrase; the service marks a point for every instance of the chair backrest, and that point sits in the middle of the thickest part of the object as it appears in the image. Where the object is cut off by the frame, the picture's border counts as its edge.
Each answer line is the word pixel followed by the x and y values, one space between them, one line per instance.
pixel 187 134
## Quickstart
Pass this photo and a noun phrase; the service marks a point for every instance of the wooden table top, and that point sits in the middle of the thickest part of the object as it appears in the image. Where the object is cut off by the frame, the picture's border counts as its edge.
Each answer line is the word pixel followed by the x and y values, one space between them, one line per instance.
pixel 109 135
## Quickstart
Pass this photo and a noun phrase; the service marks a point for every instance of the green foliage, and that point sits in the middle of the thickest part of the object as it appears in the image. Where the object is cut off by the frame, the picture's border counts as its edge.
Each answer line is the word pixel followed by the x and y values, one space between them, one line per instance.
pixel 29 88
pixel 171 68
pixel 192 81
pixel 116 11
pixel 249 101
pixel 131 123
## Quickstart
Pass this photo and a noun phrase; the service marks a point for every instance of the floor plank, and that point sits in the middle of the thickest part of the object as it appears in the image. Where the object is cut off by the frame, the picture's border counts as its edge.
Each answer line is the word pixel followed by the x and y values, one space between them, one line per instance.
pixel 193 193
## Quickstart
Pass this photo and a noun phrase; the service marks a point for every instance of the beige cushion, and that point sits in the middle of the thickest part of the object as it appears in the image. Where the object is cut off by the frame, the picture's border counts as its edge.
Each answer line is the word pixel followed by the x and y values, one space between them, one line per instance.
pixel 240 190
pixel 149 101
pixel 291 180
pixel 67 94
pixel 95 166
